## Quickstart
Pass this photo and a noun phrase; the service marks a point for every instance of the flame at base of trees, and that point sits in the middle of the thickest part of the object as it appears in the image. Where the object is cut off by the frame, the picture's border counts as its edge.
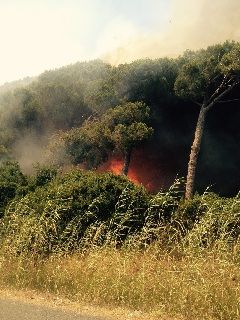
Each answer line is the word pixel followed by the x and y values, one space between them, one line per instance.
pixel 144 169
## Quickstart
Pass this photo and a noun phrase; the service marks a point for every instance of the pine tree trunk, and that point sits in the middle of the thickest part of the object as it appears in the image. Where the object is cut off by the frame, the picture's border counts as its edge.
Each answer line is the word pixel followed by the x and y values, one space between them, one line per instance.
pixel 192 164
pixel 126 163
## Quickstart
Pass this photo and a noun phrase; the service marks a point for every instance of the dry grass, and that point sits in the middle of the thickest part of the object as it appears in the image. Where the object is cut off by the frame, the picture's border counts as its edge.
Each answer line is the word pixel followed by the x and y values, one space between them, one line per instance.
pixel 186 287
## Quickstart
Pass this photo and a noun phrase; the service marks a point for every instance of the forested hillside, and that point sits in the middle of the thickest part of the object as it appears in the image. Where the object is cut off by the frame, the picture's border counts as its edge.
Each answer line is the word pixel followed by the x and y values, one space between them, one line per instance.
pixel 35 118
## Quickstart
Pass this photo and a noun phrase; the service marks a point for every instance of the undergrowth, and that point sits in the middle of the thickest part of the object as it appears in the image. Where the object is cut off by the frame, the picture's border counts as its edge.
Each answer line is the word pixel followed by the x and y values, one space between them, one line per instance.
pixel 100 239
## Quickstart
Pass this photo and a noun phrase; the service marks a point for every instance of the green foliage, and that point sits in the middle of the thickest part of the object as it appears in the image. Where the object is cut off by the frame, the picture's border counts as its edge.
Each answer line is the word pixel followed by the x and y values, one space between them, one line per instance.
pixel 66 97
pixel 129 215
pixel 163 205
pixel 88 144
pixel 120 128
pixel 66 214
pixel 190 211
pixel 147 80
pixel 230 62
pixel 83 209
pixel 127 125
pixel 126 114
pixel 219 224
pixel 12 183
pixel 127 137
pixel 10 172
pixel 42 176
pixel 96 105
pixel 202 71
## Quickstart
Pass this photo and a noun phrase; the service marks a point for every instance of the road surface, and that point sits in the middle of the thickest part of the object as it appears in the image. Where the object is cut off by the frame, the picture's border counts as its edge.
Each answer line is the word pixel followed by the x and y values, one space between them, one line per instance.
pixel 19 310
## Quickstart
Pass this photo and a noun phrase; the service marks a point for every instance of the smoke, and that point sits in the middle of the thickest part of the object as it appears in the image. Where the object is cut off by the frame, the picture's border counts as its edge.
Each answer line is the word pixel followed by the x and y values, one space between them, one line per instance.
pixel 190 25
pixel 28 151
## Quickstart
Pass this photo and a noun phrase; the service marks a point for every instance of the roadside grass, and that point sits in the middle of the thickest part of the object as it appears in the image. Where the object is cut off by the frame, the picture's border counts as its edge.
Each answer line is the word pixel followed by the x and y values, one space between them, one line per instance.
pixel 206 286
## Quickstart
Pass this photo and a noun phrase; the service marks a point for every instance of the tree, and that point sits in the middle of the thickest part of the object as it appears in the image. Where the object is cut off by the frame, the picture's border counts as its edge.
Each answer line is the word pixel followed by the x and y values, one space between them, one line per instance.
pixel 88 144
pixel 150 81
pixel 127 128
pixel 120 128
pixel 206 77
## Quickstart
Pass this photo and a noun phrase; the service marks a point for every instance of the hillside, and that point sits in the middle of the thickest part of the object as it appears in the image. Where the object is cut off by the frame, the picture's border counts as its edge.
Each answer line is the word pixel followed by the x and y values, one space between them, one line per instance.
pixel 62 99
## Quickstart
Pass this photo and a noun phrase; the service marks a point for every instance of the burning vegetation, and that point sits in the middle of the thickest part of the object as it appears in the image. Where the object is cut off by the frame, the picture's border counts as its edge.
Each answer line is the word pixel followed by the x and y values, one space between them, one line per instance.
pixel 145 169
pixel 137 119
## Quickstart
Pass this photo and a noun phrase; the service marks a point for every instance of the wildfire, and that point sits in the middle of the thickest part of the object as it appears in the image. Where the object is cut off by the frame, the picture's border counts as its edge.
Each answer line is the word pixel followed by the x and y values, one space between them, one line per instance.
pixel 144 169
pixel 115 165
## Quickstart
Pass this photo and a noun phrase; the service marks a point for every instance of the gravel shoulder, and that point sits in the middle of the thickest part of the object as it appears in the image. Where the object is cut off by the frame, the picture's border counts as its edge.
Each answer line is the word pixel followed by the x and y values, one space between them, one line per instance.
pixel 25 305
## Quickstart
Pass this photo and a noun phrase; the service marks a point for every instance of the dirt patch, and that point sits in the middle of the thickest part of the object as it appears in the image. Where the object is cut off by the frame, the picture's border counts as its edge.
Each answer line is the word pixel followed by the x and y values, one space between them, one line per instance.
pixel 60 303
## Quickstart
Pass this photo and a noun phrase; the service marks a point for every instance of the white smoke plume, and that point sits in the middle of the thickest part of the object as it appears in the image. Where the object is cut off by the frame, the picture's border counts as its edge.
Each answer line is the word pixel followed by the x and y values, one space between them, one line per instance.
pixel 191 25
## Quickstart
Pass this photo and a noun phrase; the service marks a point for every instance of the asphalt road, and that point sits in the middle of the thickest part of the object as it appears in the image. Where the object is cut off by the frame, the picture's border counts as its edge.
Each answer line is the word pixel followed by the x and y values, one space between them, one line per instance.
pixel 18 310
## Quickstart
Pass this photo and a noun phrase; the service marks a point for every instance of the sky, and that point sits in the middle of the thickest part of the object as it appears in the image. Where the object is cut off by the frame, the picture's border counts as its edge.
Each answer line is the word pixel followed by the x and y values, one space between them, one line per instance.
pixel 37 35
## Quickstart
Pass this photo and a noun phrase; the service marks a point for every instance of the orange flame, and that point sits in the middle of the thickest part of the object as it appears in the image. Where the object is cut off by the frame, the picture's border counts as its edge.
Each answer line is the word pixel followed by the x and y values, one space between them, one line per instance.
pixel 145 168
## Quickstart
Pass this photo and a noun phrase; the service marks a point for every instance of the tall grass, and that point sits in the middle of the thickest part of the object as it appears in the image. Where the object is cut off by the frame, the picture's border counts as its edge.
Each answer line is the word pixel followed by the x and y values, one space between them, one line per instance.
pixel 204 287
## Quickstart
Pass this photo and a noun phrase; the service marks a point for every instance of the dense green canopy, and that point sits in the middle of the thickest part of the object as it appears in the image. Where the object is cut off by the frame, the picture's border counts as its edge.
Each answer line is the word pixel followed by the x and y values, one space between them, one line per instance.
pixel 74 98
pixel 203 71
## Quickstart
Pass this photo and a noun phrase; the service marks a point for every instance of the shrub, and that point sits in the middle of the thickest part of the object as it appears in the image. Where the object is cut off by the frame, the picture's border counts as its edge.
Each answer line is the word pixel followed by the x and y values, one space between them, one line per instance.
pixel 43 175
pixel 66 213
pixel 12 183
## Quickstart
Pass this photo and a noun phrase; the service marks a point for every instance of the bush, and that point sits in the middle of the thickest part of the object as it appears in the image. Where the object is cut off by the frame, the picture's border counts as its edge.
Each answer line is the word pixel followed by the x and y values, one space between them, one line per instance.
pixel 12 183
pixel 73 211
pixel 218 225
pixel 81 209
pixel 43 175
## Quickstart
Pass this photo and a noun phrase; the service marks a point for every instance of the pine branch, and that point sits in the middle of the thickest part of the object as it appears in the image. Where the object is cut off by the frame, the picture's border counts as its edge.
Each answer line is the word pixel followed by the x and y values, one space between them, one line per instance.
pixel 229 101
pixel 221 95
pixel 225 83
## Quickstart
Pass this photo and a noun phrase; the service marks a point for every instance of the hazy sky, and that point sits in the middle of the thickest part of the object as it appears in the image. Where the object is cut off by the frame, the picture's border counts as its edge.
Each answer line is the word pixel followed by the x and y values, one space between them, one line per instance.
pixel 37 35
